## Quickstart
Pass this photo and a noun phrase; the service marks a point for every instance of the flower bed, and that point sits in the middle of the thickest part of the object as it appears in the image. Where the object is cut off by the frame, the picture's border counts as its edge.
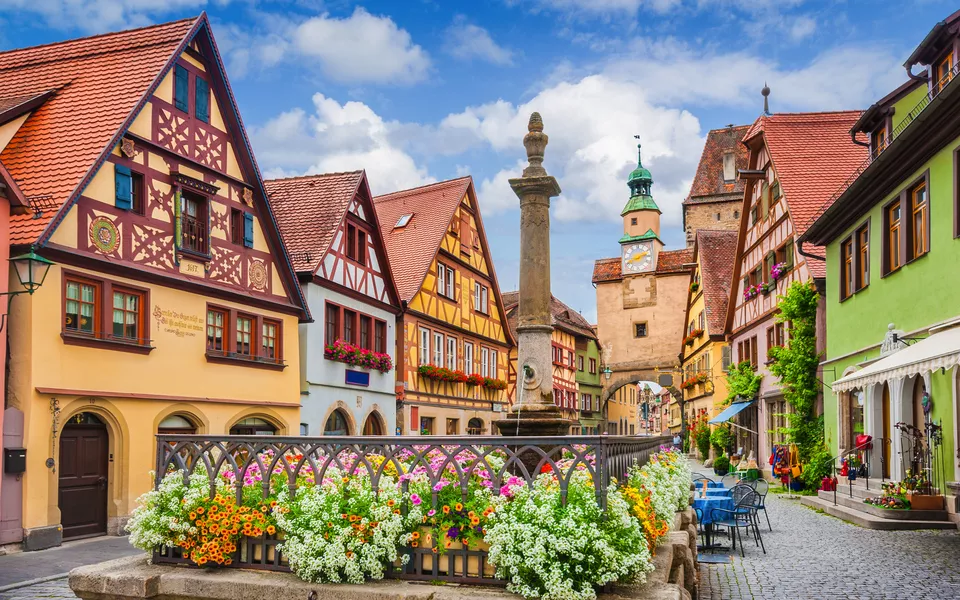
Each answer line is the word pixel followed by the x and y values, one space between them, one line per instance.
pixel 352 517
pixel 357 356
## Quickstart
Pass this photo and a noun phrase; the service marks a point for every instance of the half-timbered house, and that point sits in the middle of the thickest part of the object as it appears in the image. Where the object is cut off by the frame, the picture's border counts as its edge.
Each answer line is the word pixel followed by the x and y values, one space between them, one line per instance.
pixel 796 162
pixel 453 344
pixel 333 237
pixel 172 306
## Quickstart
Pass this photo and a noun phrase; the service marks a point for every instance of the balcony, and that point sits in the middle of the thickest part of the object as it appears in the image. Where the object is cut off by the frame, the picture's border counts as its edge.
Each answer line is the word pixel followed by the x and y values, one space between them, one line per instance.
pixel 194 235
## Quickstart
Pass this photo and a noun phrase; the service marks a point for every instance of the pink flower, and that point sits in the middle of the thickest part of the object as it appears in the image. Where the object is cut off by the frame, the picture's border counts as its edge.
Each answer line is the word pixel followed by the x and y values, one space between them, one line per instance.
pixel 415 499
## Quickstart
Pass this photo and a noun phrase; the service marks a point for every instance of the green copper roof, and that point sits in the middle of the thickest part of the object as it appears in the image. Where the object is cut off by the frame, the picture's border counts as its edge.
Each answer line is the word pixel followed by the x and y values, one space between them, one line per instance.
pixel 641 202
pixel 640 172
pixel 649 235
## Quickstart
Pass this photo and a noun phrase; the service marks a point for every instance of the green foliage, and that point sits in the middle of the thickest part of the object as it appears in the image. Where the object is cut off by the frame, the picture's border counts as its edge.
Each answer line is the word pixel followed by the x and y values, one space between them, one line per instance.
pixel 818 467
pixel 722 463
pixel 701 436
pixel 686 443
pixel 742 381
pixel 796 366
pixel 721 438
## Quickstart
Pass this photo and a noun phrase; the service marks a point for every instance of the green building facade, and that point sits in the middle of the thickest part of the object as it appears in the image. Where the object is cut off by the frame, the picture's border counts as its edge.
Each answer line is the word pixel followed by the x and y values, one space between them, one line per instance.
pixel 589 387
pixel 892 240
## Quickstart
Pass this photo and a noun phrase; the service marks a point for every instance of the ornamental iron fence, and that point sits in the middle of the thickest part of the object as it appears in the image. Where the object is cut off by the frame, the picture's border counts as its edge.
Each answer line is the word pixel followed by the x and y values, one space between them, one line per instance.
pixel 502 459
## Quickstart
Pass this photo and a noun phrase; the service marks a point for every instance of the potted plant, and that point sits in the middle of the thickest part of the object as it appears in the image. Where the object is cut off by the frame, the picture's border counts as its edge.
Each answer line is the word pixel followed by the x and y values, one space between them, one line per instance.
pixel 721 466
pixel 694 286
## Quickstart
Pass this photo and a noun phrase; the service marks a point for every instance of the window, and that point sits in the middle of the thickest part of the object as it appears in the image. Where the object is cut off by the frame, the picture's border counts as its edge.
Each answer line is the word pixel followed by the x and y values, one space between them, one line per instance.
pixel 438 349
pixel 244 331
pixel 236 226
pixel 253 426
pixel 181 88
pixel 194 232
pixel 729 166
pixel 754 214
pixel 891 224
pixel 129 189
pixel 351 242
pixel 764 199
pixel 593 366
pixel 201 105
pixel 493 364
pixel 480 297
pixel 878 140
pixel 426 425
pixel 304 429
pixel 701 321
pixel 136 193
pixel 919 230
pixel 81 306
pixel 331 324
pixel 474 426
pixel 639 330
pixel 127 314
pixel 468 358
pixel 366 330
pixel 380 337
pixel 747 351
pixel 726 358
pixel 453 426
pixel 403 221
pixel 356 244
pixel 943 72
pixel 270 339
pixel 216 322
pixel 580 363
pixel 784 254
pixel 445 280
pixel 570 358
pixel 452 353
pixel 349 326
pixel 424 346
pixel 484 362
pixel 846 269
pixel 176 425
pixel 863 257
pixel 633 220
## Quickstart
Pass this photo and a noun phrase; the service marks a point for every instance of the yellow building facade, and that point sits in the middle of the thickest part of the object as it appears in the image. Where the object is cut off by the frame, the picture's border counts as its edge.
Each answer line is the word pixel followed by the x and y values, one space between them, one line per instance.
pixel 453 344
pixel 172 307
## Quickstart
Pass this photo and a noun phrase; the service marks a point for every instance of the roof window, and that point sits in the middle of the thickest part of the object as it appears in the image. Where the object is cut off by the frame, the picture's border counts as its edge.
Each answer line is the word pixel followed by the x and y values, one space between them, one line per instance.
pixel 403 220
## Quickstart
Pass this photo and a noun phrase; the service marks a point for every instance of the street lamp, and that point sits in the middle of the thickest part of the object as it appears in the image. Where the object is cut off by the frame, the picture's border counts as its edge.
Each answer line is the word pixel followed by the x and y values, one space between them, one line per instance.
pixel 31 272
pixel 607 372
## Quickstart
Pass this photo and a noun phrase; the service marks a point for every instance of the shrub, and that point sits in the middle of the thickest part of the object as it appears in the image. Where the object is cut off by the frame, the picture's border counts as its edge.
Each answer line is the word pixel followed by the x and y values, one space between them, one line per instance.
pixel 722 464
pixel 701 435
pixel 720 438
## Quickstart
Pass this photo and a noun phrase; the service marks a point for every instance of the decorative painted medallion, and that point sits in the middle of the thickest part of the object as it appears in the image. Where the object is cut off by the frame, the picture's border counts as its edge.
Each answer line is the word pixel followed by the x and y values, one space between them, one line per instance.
pixel 104 235
pixel 248 196
pixel 258 275
pixel 128 148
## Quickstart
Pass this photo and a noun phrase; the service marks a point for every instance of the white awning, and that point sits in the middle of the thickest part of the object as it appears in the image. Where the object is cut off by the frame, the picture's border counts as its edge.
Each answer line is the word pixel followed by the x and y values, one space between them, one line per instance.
pixel 939 351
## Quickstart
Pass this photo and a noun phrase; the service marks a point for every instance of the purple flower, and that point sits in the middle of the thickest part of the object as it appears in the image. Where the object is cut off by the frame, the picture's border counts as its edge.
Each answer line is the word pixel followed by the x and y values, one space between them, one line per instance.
pixel 453 533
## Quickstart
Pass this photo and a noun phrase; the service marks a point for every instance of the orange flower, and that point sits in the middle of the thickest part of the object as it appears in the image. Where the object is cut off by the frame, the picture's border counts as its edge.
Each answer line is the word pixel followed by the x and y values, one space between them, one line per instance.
pixel 446 509
pixel 415 535
pixel 193 516
pixel 271 529
pixel 458 506
pixel 199 510
pixel 390 502
pixel 414 543
pixel 349 554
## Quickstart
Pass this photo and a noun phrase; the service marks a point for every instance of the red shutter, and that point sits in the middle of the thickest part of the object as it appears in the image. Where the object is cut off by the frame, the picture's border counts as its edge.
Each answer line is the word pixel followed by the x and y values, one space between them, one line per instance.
pixel 415 419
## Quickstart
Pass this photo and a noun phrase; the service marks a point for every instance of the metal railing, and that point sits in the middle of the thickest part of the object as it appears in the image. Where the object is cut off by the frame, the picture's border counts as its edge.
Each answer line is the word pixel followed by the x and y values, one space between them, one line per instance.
pixel 194 235
pixel 605 458
pixel 865 446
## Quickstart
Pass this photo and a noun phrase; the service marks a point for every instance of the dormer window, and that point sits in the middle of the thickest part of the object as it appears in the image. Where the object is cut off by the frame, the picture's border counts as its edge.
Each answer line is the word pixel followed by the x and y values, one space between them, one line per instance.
pixel 729 166
pixel 943 72
pixel 878 140
pixel 403 221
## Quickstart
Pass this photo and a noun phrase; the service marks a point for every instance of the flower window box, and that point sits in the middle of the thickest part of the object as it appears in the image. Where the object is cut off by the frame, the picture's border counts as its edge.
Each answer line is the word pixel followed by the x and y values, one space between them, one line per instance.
pixel 356 356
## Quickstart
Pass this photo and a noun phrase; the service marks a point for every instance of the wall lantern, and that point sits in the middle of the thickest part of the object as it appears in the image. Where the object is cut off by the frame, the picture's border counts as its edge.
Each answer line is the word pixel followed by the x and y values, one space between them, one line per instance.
pixel 607 373
pixel 31 272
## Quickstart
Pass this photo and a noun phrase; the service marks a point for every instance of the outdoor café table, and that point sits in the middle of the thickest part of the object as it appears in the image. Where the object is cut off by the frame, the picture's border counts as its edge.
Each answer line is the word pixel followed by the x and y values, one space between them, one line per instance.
pixel 719 492
pixel 706 506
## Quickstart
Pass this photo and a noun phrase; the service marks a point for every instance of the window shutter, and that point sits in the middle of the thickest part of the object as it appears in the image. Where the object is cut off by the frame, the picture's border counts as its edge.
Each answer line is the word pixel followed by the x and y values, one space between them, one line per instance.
pixel 181 87
pixel 124 185
pixel 248 230
pixel 202 103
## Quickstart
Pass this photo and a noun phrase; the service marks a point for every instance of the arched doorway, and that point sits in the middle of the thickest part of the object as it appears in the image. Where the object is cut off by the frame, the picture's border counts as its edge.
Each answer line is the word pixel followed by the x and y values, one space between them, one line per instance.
pixel 82 495
pixel 885 443
pixel 372 426
pixel 475 426
pixel 336 424
pixel 253 426
pixel 176 424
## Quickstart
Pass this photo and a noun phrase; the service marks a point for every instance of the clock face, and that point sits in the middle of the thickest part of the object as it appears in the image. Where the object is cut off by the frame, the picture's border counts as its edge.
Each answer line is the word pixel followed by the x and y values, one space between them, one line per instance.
pixel 638 257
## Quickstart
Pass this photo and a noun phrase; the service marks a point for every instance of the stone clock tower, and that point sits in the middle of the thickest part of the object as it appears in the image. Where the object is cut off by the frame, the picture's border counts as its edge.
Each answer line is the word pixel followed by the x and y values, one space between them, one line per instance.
pixel 640 245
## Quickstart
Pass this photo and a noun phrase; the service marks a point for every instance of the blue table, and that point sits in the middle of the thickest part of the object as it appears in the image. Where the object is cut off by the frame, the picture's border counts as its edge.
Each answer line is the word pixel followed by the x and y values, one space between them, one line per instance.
pixel 719 492
pixel 706 505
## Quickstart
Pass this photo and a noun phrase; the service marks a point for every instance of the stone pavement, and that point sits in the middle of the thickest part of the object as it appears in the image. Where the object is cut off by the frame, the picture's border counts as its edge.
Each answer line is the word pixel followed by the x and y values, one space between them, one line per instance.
pixel 26 566
pixel 814 555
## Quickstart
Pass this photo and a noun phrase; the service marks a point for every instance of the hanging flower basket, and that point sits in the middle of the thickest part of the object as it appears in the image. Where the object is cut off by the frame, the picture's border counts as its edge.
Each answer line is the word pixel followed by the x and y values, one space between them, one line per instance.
pixel 778 270
pixel 357 357
pixel 694 286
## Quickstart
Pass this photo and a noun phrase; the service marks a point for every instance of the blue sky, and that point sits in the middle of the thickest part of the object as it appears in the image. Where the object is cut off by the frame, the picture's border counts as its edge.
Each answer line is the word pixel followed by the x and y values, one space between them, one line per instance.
pixel 420 90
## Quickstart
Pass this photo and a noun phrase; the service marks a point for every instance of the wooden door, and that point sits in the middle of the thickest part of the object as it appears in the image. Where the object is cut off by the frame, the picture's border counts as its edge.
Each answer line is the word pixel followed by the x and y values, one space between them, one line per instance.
pixel 83 477
pixel 885 442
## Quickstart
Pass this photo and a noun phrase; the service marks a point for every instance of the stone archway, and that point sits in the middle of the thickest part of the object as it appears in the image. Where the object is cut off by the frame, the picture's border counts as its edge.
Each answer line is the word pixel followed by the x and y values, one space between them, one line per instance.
pixel 622 378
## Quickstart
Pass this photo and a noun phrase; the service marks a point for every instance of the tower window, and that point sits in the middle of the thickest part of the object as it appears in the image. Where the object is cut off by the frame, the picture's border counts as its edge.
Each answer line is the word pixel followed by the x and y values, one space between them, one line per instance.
pixel 633 220
pixel 718 216
pixel 639 330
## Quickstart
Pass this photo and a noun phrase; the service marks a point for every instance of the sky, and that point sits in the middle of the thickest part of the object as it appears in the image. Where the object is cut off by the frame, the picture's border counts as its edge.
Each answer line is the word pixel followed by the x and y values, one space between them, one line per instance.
pixel 416 91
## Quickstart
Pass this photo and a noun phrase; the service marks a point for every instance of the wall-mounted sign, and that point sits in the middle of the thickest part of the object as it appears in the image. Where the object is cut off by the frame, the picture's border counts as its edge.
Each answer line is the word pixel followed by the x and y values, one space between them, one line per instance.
pixel 357 378
pixel 178 323
pixel 191 267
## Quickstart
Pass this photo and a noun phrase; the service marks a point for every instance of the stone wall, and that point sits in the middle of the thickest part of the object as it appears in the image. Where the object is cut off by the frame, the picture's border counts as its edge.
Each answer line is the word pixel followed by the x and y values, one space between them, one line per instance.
pixel 704 216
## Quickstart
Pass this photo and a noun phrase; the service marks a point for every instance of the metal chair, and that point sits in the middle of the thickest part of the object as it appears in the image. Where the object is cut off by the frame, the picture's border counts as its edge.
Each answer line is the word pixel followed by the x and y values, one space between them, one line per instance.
pixel 761 488
pixel 729 480
pixel 698 481
pixel 700 529
pixel 743 516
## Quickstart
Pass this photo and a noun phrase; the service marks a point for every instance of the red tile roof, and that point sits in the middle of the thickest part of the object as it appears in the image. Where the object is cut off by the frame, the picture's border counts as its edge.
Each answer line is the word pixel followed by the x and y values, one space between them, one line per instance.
pixel 673 261
pixel 716 252
pixel 813 156
pixel 412 248
pixel 708 183
pixel 309 209
pixel 562 316
pixel 97 82
pixel 607 269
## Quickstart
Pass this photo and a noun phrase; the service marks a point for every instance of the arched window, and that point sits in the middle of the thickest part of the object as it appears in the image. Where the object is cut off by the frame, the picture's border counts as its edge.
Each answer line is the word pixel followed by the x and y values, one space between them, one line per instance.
pixel 176 424
pixel 373 426
pixel 474 426
pixel 253 426
pixel 336 424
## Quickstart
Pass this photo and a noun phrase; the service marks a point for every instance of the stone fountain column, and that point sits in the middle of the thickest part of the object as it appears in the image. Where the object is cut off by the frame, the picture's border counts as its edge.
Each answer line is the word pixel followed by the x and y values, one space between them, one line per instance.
pixel 534 411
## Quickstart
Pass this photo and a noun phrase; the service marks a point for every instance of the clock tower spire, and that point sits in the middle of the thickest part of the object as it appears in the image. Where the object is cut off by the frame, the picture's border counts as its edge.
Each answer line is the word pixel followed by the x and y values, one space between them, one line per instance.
pixel 640 243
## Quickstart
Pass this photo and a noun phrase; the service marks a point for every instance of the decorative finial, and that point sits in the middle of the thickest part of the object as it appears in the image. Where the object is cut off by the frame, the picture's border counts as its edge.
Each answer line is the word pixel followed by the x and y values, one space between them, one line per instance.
pixel 765 92
pixel 535 142
pixel 639 161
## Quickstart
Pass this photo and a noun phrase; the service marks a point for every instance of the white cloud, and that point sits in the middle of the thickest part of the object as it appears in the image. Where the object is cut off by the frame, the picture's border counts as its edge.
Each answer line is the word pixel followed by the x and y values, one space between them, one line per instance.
pixel 802 27
pixel 608 7
pixel 336 137
pixel 95 16
pixel 467 41
pixel 362 48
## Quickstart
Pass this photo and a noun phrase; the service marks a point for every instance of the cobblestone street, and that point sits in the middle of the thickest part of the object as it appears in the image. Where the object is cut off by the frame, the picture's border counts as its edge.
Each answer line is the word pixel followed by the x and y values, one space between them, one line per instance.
pixel 813 555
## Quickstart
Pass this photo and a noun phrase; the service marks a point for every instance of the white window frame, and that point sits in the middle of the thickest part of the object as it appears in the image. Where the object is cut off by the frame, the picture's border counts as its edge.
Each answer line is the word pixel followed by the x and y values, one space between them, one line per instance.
pixel 493 364
pixel 437 349
pixel 476 296
pixel 484 361
pixel 441 278
pixel 424 346
pixel 468 358
pixel 451 353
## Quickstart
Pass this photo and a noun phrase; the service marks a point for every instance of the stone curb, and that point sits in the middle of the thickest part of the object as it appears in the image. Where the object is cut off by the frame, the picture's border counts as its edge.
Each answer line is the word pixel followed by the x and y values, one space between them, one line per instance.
pixel 28 582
